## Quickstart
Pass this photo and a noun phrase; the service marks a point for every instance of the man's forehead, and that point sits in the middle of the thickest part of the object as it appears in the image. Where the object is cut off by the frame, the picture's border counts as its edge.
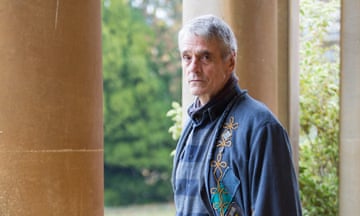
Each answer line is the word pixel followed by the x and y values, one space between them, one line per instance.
pixel 197 44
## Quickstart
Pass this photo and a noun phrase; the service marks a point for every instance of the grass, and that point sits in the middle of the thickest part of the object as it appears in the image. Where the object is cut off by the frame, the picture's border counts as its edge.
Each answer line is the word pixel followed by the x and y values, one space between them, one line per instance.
pixel 162 209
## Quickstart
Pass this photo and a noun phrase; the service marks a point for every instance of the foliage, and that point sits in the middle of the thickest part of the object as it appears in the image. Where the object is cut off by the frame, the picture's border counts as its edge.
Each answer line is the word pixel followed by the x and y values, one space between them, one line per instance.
pixel 164 16
pixel 136 96
pixel 175 113
pixel 319 106
pixel 128 186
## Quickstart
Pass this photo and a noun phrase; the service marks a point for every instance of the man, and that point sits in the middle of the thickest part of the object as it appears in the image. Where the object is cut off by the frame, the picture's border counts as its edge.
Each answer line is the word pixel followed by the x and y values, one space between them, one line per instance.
pixel 233 157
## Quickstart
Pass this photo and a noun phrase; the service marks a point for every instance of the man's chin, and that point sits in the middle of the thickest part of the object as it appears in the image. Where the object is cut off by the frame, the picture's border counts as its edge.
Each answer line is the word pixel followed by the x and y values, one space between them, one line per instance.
pixel 195 92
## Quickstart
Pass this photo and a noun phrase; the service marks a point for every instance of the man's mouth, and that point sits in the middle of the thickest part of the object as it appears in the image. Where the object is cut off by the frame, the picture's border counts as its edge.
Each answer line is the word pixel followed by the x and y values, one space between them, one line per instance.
pixel 195 80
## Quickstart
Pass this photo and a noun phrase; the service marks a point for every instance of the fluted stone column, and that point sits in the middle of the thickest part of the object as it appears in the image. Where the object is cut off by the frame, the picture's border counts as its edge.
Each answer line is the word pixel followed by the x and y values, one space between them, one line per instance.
pixel 267 63
pixel 350 109
pixel 51 139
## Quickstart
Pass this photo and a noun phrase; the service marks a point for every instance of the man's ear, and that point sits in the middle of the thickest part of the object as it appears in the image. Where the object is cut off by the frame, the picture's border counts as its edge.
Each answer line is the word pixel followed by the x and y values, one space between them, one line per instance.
pixel 232 62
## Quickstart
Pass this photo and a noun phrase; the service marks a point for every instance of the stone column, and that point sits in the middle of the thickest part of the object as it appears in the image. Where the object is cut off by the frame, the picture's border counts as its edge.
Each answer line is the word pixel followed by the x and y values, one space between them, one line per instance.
pixel 267 63
pixel 350 109
pixel 51 139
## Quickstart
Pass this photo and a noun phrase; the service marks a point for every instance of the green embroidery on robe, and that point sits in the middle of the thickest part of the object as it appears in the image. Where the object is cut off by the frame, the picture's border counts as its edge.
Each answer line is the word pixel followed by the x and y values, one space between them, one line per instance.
pixel 221 199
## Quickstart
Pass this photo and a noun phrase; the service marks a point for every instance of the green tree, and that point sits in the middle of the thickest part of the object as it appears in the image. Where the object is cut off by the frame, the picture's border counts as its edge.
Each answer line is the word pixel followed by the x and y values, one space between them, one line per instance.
pixel 165 17
pixel 136 97
pixel 319 105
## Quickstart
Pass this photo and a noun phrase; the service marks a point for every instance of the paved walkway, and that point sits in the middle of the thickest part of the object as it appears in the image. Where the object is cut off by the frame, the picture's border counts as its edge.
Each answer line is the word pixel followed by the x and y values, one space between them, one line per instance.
pixel 162 209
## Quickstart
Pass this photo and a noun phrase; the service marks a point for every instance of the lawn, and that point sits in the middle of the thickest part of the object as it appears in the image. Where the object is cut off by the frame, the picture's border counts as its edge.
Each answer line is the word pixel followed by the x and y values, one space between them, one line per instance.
pixel 163 209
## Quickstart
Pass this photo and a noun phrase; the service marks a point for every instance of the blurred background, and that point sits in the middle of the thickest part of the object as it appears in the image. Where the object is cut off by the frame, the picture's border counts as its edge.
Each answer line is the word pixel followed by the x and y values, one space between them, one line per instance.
pixel 142 77
pixel 141 73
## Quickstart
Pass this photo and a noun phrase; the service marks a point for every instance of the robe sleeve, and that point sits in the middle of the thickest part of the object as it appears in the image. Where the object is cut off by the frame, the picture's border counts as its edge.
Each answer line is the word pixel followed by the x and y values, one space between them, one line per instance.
pixel 273 183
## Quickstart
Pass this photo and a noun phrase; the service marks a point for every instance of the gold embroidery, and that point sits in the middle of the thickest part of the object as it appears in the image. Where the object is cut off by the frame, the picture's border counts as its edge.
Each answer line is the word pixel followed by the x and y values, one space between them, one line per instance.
pixel 231 125
pixel 221 197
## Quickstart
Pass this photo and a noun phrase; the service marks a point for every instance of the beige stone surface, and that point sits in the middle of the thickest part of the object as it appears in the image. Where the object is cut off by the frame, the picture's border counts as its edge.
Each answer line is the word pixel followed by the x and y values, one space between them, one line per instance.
pixel 350 109
pixel 51 183
pixel 51 129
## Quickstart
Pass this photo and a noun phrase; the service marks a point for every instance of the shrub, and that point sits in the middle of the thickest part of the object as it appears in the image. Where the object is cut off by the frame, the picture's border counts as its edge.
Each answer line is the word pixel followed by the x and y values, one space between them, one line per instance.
pixel 319 108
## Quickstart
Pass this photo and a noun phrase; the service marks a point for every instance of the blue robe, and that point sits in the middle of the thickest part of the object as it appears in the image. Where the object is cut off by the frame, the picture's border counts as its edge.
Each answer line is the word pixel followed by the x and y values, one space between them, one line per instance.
pixel 247 167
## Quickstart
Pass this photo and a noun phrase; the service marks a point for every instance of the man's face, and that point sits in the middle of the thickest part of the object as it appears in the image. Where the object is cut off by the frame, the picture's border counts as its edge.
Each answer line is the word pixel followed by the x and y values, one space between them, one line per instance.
pixel 205 69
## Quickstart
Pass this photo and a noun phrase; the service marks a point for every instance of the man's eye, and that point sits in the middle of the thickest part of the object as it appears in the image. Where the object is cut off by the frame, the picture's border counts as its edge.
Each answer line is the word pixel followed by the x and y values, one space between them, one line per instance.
pixel 205 58
pixel 186 58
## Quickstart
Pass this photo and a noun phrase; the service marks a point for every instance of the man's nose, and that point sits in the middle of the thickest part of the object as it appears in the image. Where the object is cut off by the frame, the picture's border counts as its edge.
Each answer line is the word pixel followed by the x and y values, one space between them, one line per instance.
pixel 194 65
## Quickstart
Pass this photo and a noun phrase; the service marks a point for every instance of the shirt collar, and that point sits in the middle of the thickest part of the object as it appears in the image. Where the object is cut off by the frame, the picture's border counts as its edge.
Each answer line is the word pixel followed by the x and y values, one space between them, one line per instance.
pixel 215 107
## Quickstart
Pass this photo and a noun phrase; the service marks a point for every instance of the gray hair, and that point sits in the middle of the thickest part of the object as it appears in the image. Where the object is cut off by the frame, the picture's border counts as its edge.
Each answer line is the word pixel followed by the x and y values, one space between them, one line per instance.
pixel 211 27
